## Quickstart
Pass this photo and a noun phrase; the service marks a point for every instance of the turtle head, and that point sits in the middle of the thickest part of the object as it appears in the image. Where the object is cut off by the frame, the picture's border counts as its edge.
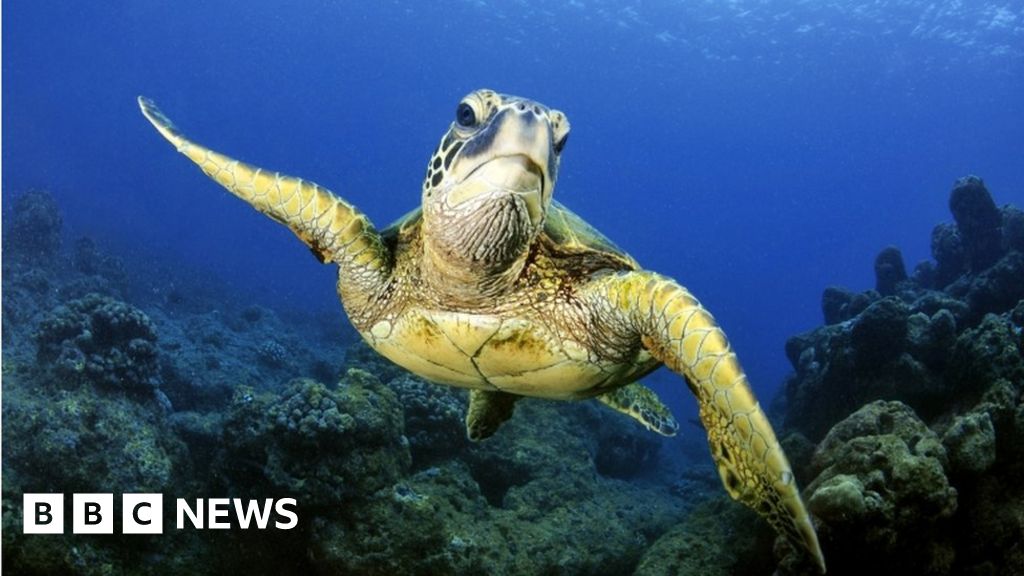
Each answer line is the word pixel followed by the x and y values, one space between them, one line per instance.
pixel 489 183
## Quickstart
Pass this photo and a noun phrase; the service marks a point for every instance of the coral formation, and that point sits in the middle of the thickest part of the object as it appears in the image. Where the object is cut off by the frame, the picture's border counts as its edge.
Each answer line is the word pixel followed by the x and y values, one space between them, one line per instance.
pixel 433 419
pixel 913 343
pixel 932 370
pixel 529 503
pixel 324 446
pixel 881 494
pixel 103 340
pixel 978 221
pixel 889 271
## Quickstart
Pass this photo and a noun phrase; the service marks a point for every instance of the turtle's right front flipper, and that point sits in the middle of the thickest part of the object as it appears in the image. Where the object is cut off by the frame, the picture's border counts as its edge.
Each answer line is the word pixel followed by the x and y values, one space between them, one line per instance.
pixel 676 329
pixel 333 229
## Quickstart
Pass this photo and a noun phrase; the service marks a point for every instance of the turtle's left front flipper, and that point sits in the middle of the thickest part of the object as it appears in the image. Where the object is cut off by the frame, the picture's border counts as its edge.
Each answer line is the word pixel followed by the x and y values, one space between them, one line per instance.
pixel 333 229
pixel 677 330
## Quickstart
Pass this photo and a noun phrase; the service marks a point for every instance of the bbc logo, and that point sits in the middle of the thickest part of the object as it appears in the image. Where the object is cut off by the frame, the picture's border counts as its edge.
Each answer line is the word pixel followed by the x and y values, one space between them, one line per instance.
pixel 93 513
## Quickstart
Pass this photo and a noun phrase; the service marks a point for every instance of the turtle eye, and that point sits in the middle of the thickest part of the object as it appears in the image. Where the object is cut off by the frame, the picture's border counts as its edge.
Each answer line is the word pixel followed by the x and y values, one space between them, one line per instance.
pixel 561 144
pixel 465 116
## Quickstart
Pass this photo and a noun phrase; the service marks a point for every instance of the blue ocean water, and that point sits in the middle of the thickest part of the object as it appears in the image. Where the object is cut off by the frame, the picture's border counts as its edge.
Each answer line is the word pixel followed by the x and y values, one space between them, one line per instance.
pixel 757 151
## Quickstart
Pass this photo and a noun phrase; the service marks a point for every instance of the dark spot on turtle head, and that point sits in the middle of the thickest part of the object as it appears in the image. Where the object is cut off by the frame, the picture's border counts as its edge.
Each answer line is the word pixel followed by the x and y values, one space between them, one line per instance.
pixel 451 155
pixel 437 162
pixel 448 138
pixel 436 179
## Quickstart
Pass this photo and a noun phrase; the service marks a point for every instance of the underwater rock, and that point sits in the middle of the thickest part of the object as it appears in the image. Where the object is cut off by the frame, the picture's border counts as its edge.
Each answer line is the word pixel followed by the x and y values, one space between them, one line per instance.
pixel 88 259
pixel 1013 229
pixel 839 304
pixel 33 230
pixel 835 303
pixel 434 417
pixel 931 302
pixel 102 340
pixel 991 526
pixel 438 521
pixel 978 222
pixel 951 349
pixel 324 446
pixel 931 339
pixel 879 334
pixel 875 356
pixel 889 271
pixel 206 355
pixel 882 497
pixel 520 452
pixel 876 419
pixel 83 440
pixel 971 443
pixel 998 288
pixel 626 455
pixel 984 355
pixel 924 275
pixel 714 540
pixel 949 254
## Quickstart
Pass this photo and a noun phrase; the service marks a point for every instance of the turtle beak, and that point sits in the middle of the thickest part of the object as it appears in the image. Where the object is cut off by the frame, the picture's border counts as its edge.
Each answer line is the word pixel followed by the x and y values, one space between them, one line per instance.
pixel 534 206
pixel 516 174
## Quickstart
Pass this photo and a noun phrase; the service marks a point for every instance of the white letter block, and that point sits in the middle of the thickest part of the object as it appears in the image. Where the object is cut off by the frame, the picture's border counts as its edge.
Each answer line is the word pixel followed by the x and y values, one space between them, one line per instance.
pixel 142 514
pixel 43 513
pixel 93 514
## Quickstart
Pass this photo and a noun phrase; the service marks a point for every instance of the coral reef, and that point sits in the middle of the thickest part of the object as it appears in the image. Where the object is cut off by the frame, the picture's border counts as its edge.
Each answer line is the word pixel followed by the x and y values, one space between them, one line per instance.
pixel 914 401
pixel 978 221
pixel 325 446
pixel 881 494
pixel 911 339
pixel 103 340
pixel 433 419
pixel 717 539
pixel 889 271
pixel 530 502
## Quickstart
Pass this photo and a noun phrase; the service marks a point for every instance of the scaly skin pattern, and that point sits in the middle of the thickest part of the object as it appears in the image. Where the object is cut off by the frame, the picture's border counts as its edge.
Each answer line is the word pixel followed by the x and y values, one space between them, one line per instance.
pixel 643 405
pixel 536 340
pixel 678 331
pixel 333 229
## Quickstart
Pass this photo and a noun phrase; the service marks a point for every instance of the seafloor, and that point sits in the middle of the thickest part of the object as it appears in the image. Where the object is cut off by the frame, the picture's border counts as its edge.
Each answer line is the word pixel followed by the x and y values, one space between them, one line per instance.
pixel 904 420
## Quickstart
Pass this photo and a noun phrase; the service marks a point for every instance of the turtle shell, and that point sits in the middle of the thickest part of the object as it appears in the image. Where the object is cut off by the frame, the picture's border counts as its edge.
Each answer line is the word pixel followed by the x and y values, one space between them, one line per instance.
pixel 570 234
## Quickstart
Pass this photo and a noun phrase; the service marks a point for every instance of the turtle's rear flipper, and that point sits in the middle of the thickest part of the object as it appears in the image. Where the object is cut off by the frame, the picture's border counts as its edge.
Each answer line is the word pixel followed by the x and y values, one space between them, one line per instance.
pixel 333 229
pixel 488 410
pixel 643 405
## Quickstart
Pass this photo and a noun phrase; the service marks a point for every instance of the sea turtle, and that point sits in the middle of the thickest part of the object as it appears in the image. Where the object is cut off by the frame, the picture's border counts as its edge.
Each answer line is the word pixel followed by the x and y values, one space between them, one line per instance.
pixel 493 286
